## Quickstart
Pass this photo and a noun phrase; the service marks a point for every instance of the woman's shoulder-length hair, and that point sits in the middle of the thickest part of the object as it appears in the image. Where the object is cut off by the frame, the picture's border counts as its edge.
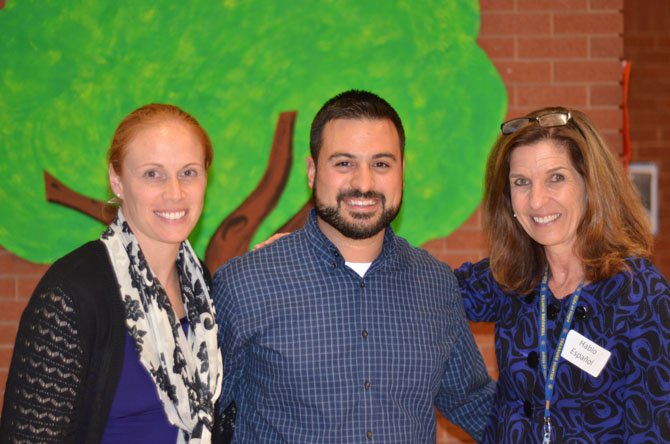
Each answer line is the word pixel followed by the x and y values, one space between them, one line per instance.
pixel 615 225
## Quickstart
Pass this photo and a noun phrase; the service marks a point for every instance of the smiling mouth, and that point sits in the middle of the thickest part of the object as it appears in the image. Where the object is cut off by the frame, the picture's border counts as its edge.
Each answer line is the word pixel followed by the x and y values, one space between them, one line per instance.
pixel 546 219
pixel 171 215
pixel 361 202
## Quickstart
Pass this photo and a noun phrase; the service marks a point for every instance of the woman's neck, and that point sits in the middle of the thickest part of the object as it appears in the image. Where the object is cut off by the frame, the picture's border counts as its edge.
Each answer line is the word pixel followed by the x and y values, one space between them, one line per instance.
pixel 162 261
pixel 565 273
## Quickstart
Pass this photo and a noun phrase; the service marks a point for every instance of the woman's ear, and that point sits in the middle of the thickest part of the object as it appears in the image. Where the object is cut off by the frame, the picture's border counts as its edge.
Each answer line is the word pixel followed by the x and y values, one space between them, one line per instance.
pixel 115 182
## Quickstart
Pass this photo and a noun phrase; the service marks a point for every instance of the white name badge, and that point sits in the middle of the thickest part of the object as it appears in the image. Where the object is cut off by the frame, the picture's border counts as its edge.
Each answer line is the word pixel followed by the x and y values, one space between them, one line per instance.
pixel 584 353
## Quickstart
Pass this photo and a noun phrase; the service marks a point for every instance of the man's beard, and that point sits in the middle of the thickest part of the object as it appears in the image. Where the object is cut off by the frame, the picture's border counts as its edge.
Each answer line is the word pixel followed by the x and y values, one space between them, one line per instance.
pixel 352 230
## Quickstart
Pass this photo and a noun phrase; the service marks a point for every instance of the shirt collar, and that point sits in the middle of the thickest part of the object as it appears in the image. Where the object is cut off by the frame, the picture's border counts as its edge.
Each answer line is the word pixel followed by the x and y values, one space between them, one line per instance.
pixel 327 251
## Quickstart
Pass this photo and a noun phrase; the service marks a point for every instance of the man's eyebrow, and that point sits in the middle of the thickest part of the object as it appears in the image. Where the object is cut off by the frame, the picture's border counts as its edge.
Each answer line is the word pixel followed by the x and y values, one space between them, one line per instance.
pixel 352 156
pixel 347 155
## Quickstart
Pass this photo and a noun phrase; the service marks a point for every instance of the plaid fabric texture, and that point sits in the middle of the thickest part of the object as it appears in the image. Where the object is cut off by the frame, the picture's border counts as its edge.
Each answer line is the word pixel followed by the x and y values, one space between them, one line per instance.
pixel 313 353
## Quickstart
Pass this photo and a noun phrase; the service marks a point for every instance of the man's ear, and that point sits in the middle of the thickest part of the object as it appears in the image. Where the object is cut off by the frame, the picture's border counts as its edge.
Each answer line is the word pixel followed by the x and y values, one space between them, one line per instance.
pixel 115 182
pixel 311 171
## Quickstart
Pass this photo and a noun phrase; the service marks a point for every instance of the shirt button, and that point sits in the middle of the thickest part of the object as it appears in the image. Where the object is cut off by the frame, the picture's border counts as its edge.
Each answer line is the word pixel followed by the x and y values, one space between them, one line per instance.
pixel 362 284
pixel 366 385
pixel 364 333
pixel 533 359
pixel 333 265
pixel 369 434
pixel 528 409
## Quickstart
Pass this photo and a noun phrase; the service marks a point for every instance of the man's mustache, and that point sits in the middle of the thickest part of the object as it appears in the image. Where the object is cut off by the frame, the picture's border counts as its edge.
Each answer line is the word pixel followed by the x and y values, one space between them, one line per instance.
pixel 357 194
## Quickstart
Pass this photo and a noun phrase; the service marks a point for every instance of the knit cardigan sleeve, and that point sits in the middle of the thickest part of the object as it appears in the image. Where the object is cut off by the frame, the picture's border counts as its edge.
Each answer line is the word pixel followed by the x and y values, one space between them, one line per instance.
pixel 45 382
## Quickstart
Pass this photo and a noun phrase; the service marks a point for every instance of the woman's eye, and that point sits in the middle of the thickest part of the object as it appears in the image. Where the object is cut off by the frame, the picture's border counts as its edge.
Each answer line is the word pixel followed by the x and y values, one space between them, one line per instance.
pixel 189 173
pixel 519 182
pixel 557 178
pixel 151 174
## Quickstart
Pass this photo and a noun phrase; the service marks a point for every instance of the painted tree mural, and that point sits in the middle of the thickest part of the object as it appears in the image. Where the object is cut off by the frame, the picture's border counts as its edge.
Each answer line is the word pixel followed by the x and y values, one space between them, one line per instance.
pixel 254 73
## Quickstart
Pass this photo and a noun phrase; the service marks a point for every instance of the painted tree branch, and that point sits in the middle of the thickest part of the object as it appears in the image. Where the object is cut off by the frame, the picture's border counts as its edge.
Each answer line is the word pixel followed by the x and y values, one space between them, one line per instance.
pixel 234 235
pixel 58 192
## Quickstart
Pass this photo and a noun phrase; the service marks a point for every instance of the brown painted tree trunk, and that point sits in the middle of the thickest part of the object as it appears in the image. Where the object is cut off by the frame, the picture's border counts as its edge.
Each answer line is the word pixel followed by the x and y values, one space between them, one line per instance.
pixel 57 192
pixel 234 235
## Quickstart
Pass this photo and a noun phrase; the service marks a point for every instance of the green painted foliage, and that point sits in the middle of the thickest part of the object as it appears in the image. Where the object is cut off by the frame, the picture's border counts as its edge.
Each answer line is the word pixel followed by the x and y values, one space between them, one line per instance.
pixel 71 71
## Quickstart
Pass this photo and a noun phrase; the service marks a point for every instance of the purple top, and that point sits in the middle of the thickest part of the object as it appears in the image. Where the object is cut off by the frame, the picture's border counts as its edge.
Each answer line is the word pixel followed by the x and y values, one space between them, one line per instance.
pixel 137 414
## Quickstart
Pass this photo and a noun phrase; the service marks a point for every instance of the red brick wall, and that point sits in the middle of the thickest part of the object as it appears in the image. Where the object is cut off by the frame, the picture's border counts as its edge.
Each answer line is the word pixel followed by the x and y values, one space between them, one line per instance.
pixel 647 46
pixel 17 281
pixel 565 52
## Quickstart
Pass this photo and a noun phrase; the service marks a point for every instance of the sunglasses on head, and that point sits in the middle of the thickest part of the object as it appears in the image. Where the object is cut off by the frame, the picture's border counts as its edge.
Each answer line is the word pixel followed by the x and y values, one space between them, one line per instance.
pixel 548 120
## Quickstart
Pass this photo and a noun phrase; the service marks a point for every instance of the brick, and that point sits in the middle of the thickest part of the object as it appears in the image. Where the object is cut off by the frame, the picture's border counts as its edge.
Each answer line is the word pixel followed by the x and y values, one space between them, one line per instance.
pixel 11 264
pixel 436 246
pixel 596 71
pixel 604 23
pixel 481 328
pixel 606 4
pixel 6 356
pixel 519 111
pixel 7 287
pixel 638 102
pixel 647 117
pixel 641 134
pixel 488 351
pixel 496 5
pixel 552 5
pixel 512 72
pixel 497 47
pixel 657 59
pixel 11 310
pixel 606 94
pixel 638 42
pixel 455 260
pixel 515 24
pixel 656 63
pixel 553 47
pixel 653 153
pixel 606 47
pixel 449 433
pixel 606 119
pixel 462 240
pixel 615 142
pixel 26 285
pixel 8 333
pixel 541 95
pixel 474 221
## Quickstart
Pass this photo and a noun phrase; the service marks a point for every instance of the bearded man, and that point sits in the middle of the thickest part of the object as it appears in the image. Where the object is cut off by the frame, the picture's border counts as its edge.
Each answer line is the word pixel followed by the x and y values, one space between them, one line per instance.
pixel 341 332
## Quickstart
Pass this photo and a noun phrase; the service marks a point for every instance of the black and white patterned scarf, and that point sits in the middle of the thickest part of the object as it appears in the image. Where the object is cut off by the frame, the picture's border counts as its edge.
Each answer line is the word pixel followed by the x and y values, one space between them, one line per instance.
pixel 186 368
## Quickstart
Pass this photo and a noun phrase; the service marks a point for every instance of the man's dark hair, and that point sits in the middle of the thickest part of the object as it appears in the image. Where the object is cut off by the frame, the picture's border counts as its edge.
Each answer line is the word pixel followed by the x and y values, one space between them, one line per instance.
pixel 353 104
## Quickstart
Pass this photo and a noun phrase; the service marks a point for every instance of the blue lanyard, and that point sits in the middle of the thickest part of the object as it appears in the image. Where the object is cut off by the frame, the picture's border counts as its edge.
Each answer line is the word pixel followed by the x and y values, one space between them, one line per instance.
pixel 550 377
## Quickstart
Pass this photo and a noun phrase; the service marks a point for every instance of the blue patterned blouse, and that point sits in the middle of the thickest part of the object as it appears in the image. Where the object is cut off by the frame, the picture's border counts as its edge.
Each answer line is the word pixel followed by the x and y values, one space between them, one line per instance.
pixel 629 402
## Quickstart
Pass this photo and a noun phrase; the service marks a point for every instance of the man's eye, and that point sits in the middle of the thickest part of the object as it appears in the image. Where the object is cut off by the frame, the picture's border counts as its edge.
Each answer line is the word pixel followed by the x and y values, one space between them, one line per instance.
pixel 382 165
pixel 343 163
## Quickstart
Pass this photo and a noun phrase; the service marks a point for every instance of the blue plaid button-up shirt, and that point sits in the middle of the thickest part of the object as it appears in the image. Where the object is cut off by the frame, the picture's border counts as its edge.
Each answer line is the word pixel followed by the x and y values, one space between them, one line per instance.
pixel 313 353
